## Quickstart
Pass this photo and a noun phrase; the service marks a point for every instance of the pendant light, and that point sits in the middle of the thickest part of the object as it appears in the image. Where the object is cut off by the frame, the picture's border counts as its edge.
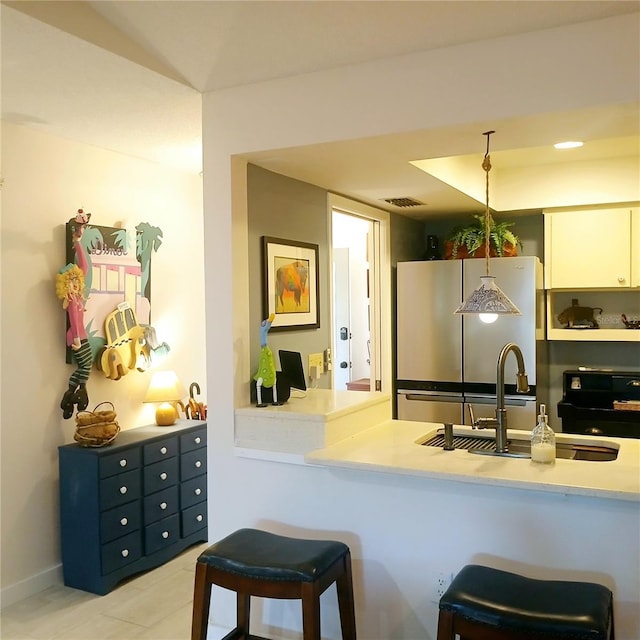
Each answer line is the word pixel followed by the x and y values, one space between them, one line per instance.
pixel 488 301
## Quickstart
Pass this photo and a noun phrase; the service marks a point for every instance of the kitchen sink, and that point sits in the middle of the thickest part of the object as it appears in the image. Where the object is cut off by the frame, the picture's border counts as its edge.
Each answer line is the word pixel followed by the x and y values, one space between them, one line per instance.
pixel 521 448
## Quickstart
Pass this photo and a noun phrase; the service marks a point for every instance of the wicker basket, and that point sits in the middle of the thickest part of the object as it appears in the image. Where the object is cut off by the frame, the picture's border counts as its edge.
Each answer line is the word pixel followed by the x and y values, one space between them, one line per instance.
pixel 96 428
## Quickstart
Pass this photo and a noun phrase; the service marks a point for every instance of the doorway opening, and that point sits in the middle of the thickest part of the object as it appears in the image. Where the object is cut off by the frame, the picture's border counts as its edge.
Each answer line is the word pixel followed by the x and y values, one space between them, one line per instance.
pixel 359 249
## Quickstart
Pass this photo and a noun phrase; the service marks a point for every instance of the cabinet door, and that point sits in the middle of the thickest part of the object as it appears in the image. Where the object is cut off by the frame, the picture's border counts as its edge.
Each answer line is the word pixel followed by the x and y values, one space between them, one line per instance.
pixel 635 247
pixel 589 249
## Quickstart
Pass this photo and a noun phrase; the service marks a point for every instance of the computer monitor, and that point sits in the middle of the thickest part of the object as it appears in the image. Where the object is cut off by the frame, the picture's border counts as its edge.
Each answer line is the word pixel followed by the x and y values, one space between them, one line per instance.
pixel 291 366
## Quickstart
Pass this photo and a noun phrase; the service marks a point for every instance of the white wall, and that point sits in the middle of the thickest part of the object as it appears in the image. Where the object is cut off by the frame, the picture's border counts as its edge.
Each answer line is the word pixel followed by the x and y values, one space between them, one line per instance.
pixel 45 180
pixel 397 556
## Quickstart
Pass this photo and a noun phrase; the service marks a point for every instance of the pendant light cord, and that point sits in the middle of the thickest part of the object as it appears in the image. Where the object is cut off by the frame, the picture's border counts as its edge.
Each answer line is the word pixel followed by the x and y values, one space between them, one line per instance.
pixel 486 165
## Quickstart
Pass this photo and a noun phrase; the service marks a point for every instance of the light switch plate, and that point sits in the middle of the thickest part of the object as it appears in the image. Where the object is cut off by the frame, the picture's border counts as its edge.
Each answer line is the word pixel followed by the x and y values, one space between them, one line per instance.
pixel 316 360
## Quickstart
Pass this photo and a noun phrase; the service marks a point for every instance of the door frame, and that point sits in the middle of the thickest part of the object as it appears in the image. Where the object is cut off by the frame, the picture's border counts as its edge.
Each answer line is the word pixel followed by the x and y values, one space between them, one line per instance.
pixel 380 283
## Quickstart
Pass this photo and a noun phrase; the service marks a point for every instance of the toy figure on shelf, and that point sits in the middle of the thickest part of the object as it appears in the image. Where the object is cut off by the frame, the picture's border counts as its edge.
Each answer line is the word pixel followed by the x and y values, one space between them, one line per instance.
pixel 266 374
pixel 70 289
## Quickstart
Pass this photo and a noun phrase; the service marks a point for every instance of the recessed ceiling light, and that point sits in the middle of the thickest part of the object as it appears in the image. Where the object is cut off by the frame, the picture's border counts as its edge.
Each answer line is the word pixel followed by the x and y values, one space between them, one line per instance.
pixel 569 144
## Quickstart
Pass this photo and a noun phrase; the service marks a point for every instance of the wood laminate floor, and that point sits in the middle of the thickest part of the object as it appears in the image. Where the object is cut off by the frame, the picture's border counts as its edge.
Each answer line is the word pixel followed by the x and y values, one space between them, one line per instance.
pixel 155 605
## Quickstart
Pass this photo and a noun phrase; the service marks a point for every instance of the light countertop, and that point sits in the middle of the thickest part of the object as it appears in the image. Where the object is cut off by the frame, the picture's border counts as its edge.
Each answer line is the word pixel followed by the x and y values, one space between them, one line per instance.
pixel 391 447
pixel 319 418
pixel 320 405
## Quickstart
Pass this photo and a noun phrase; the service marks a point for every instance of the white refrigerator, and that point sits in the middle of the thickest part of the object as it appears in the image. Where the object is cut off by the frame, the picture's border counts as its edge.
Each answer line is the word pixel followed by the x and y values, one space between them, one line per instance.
pixel 446 362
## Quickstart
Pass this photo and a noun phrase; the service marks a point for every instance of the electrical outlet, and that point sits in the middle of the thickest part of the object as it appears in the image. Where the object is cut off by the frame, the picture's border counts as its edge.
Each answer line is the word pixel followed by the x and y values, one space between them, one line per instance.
pixel 443 580
pixel 316 360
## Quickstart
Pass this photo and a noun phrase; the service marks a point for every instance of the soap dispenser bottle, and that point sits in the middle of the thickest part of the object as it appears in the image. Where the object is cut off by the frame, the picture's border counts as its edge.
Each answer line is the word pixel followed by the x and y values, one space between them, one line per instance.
pixel 543 440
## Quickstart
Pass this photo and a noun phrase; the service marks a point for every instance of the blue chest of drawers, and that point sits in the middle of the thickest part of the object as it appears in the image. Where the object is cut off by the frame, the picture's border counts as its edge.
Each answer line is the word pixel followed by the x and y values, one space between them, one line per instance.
pixel 133 505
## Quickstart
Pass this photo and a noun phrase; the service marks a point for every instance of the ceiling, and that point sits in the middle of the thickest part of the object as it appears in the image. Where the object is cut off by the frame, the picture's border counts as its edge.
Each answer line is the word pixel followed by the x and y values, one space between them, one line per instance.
pixel 128 76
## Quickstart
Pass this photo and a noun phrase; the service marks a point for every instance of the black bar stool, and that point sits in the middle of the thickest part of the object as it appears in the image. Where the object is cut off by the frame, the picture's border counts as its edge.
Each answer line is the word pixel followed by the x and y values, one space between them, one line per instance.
pixel 256 563
pixel 489 604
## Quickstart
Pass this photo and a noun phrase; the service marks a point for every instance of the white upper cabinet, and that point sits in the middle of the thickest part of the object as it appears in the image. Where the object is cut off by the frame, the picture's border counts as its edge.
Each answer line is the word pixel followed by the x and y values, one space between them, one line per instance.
pixel 591 249
pixel 592 260
pixel 635 247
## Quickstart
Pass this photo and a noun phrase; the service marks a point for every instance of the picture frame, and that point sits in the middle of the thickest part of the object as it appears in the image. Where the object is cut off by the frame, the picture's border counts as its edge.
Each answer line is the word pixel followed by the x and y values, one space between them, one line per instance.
pixel 290 284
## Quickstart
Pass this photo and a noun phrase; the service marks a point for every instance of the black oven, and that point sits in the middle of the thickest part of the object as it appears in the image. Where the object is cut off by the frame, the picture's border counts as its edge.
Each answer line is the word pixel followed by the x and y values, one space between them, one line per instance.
pixel 601 402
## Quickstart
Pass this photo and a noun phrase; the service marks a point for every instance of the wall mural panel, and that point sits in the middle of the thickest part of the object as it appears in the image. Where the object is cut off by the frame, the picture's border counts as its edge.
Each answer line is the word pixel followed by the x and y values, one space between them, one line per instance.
pixel 106 290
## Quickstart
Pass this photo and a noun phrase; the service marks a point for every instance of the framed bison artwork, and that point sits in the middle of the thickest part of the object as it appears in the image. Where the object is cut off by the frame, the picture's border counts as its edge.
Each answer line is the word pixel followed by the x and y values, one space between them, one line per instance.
pixel 290 284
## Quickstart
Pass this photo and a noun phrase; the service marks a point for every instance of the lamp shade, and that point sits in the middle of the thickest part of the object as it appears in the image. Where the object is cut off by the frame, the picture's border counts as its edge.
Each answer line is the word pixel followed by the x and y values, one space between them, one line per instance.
pixel 488 299
pixel 165 387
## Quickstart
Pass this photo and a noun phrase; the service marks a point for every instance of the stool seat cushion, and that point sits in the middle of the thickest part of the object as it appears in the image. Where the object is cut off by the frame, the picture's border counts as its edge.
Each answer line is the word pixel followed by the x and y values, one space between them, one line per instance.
pixel 505 600
pixel 266 556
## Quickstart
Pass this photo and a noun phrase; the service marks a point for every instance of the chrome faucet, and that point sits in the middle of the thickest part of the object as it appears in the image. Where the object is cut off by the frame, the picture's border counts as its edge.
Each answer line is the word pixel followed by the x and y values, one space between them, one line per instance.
pixel 499 423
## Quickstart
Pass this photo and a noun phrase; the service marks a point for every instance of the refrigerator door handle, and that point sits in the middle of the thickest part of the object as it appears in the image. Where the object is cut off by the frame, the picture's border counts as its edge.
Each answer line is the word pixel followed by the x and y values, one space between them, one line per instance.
pixel 516 402
pixel 422 397
pixel 509 401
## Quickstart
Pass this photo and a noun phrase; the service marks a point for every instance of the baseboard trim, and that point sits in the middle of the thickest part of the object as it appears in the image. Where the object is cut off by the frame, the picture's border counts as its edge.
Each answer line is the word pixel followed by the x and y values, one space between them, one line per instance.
pixel 30 586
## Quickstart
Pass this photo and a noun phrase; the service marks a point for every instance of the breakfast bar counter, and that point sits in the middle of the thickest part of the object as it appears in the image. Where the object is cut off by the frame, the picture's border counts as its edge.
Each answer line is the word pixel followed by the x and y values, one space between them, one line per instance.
pixel 393 446
pixel 335 465
pixel 354 430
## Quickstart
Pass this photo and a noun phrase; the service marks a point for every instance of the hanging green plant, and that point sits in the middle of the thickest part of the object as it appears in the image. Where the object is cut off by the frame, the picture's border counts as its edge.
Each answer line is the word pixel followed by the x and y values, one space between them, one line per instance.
pixel 470 241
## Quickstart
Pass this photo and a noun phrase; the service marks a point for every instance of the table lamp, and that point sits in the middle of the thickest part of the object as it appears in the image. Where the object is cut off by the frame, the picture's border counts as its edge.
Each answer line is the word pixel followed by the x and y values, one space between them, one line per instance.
pixel 165 388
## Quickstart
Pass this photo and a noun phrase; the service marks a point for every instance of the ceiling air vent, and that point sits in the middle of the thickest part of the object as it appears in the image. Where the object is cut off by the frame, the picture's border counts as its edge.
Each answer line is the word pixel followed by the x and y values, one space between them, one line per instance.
pixel 403 202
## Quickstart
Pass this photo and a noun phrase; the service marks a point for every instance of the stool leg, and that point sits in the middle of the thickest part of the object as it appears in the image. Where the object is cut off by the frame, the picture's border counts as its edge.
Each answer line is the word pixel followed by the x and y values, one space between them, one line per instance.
pixel 445 626
pixel 201 603
pixel 344 587
pixel 243 607
pixel 612 631
pixel 310 612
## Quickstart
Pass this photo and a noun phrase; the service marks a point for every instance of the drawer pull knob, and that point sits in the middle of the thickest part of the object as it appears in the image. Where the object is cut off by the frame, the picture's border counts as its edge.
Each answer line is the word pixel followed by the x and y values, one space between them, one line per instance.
pixel 163 476
pixel 125 553
pixel 123 463
pixel 620 279
pixel 198 464
pixel 165 534
pixel 199 517
pixel 123 490
pixel 163 505
pixel 197 440
pixel 198 491
pixel 124 522
pixel 163 450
